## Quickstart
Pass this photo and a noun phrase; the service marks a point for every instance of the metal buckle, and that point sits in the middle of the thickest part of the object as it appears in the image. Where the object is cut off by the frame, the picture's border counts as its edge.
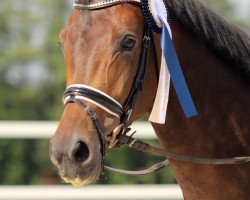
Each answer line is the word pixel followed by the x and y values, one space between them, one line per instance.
pixel 131 145
pixel 112 138
pixel 91 113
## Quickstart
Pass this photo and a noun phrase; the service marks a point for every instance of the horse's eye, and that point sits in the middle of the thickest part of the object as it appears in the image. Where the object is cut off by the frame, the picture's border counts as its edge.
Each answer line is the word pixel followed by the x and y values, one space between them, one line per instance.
pixel 128 43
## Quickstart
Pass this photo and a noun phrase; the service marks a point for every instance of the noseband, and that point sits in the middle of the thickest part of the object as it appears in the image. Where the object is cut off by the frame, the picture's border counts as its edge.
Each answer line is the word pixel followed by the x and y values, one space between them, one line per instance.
pixel 80 93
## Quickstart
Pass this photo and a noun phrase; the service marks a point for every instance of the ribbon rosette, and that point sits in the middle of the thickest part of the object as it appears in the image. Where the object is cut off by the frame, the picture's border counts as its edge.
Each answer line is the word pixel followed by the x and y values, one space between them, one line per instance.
pixel 156 14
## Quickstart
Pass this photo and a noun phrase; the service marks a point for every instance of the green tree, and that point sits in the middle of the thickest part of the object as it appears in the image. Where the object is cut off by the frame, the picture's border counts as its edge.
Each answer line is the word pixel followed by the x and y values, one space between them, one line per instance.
pixel 31 66
pixel 32 80
pixel 226 8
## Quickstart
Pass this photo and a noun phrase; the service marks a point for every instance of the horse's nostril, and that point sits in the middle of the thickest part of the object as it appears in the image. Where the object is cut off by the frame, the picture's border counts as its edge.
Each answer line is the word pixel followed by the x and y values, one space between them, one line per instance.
pixel 80 152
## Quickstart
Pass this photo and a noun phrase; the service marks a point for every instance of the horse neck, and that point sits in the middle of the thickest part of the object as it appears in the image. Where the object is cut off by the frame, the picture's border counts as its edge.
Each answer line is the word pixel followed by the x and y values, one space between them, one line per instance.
pixel 221 129
pixel 222 100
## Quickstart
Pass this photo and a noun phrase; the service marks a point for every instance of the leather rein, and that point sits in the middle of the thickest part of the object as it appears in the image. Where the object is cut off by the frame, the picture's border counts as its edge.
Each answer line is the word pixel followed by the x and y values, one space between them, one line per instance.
pixel 79 93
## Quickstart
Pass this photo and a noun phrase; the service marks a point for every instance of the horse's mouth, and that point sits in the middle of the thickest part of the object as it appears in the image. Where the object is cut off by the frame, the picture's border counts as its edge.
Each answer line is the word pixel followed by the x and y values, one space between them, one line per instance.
pixel 79 182
pixel 81 179
pixel 81 174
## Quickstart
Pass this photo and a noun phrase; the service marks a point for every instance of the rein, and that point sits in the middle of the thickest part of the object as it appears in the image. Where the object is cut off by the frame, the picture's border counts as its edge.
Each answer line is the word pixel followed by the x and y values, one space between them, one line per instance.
pixel 79 93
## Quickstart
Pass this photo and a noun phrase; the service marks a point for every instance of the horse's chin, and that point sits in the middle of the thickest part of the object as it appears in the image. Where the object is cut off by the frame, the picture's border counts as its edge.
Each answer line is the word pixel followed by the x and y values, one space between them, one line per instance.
pixel 78 182
pixel 84 179
pixel 82 174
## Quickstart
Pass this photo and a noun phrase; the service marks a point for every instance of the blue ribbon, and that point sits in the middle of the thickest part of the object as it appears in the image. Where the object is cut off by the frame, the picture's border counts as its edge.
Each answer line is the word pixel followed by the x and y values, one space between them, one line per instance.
pixel 176 74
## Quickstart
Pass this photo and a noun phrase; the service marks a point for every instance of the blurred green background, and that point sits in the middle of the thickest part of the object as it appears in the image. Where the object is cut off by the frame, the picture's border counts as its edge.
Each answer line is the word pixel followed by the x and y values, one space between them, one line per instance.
pixel 32 80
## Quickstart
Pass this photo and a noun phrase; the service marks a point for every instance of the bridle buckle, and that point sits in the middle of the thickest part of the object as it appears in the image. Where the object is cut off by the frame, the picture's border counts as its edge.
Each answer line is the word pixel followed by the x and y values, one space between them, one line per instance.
pixel 113 137
pixel 131 145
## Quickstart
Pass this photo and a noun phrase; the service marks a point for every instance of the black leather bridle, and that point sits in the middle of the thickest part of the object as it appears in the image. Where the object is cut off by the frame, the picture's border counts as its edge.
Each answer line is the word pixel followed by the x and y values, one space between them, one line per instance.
pixel 78 93
pixel 74 94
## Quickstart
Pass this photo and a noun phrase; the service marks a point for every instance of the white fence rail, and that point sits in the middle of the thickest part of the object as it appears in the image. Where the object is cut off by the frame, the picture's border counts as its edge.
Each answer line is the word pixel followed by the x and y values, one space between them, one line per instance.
pixel 45 129
pixel 114 192
pixel 41 129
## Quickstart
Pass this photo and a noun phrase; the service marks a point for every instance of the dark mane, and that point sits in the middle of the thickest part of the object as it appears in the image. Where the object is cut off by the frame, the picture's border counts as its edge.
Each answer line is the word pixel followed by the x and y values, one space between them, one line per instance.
pixel 227 41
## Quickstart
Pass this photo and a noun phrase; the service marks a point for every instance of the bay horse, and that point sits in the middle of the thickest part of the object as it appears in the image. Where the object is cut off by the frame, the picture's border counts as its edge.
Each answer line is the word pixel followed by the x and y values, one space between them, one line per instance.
pixel 102 48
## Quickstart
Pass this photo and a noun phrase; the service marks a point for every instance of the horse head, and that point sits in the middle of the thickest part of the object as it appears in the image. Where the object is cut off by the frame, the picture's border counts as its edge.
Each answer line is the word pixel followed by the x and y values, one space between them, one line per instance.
pixel 102 49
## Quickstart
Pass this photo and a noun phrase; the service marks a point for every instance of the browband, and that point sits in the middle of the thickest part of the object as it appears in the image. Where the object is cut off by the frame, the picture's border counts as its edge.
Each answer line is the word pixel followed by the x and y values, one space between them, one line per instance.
pixel 93 6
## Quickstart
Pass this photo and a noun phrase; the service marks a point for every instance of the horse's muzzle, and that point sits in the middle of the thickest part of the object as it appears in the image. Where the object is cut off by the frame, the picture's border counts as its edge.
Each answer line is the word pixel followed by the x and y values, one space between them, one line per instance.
pixel 78 163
